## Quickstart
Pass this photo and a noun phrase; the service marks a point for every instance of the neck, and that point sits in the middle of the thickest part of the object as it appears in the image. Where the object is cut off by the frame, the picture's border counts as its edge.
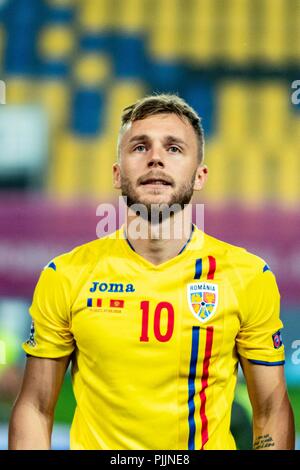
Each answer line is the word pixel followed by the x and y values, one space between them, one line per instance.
pixel 160 242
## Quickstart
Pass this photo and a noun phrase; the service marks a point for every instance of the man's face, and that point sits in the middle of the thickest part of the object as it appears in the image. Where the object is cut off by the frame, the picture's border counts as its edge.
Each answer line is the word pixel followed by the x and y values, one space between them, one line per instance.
pixel 159 162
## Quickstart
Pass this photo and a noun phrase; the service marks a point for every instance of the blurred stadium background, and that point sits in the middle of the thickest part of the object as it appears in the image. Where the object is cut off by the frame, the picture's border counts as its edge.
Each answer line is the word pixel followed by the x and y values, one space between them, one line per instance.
pixel 70 67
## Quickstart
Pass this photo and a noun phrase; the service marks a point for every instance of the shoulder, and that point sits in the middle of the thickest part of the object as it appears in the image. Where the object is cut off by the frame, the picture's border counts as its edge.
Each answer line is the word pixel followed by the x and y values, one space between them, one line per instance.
pixel 84 257
pixel 248 275
pixel 243 263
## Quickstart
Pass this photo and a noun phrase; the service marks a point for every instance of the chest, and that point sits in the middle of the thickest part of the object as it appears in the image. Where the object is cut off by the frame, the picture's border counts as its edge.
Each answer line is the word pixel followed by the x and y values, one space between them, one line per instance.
pixel 151 312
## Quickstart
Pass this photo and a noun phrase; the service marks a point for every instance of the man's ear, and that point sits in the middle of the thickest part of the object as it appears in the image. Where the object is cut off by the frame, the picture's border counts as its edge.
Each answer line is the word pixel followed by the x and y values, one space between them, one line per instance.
pixel 116 176
pixel 201 177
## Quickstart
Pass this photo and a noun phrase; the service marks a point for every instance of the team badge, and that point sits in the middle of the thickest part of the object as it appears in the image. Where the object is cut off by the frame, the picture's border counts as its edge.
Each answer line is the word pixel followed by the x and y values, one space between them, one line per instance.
pixel 202 299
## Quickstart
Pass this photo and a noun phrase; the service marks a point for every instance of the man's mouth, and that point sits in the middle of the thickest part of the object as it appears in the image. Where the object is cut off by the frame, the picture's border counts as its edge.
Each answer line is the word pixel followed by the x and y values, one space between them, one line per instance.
pixel 156 182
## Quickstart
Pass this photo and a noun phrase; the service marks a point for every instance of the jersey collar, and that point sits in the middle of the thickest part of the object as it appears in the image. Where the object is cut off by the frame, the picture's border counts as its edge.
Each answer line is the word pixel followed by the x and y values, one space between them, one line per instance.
pixel 191 244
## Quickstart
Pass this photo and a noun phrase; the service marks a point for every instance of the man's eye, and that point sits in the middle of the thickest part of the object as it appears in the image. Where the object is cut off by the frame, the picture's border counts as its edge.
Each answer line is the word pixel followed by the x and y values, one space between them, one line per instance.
pixel 174 149
pixel 139 148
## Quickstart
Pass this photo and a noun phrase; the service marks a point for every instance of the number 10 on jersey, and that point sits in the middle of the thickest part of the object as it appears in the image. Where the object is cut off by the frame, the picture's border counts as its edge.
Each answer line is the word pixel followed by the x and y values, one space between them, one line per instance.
pixel 160 307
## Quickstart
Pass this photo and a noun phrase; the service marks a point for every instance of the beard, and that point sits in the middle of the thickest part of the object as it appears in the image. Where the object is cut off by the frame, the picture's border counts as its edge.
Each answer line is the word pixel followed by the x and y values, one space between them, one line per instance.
pixel 157 212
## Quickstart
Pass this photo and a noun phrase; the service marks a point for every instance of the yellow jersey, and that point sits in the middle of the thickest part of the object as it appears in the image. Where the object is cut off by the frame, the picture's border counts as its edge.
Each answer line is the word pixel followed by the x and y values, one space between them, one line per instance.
pixel 155 347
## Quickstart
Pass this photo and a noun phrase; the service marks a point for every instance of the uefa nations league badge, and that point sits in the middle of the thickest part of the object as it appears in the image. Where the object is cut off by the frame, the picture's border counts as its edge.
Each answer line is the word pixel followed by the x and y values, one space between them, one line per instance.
pixel 202 299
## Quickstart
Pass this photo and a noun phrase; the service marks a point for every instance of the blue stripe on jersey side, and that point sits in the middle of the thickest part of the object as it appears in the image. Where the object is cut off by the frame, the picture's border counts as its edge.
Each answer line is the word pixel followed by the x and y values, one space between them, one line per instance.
pixel 52 266
pixel 266 268
pixel 89 302
pixel 192 376
pixel 264 363
pixel 198 268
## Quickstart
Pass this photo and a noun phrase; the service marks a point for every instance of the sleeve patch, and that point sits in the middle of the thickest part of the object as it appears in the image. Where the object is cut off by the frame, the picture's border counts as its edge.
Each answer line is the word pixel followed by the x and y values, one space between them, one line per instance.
pixel 277 339
pixel 31 341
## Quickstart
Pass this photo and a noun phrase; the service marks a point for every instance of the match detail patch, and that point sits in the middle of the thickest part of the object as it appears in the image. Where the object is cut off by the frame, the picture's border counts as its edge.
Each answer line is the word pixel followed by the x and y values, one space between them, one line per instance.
pixel 277 340
pixel 31 341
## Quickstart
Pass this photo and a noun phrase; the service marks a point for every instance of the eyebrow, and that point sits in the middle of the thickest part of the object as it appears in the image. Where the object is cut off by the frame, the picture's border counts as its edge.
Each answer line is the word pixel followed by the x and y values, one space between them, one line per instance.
pixel 139 138
pixel 167 139
pixel 175 140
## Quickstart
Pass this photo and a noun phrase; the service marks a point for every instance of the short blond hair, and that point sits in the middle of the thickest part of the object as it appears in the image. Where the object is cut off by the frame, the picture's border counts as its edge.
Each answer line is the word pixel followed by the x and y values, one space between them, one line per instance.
pixel 165 104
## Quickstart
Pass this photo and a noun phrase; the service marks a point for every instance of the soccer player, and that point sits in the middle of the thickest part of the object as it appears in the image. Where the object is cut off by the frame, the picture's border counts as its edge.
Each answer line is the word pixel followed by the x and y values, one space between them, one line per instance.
pixel 155 325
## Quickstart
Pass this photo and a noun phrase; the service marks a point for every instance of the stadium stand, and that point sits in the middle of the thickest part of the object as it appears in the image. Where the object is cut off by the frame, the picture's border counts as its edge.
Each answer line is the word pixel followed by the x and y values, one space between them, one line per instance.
pixel 83 61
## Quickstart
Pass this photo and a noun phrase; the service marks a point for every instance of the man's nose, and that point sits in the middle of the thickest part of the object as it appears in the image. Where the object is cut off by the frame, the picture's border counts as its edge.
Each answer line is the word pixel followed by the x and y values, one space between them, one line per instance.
pixel 155 159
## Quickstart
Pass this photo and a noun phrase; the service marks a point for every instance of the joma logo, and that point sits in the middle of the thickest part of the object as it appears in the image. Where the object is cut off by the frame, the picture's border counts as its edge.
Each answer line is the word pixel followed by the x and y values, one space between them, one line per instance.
pixel 111 287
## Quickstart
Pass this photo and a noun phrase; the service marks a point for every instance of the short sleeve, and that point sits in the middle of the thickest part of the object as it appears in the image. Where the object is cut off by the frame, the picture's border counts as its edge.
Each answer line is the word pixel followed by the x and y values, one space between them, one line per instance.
pixel 50 334
pixel 259 338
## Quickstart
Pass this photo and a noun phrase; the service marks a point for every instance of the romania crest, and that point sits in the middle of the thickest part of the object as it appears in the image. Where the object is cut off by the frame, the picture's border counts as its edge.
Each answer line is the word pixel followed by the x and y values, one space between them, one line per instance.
pixel 202 299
